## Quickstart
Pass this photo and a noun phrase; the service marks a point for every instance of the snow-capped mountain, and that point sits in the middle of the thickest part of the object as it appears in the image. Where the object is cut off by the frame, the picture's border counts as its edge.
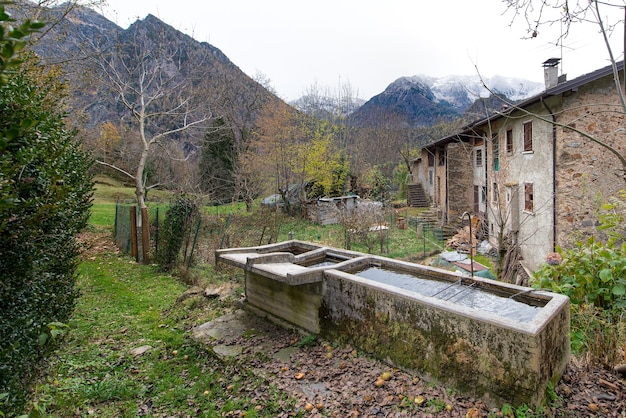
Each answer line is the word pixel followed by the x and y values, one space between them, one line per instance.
pixel 462 91
pixel 423 100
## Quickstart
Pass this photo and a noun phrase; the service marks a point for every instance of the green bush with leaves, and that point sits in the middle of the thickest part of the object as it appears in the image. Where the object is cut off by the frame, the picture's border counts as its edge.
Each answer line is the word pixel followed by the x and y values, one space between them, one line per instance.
pixel 13 39
pixel 593 275
pixel 179 220
pixel 45 196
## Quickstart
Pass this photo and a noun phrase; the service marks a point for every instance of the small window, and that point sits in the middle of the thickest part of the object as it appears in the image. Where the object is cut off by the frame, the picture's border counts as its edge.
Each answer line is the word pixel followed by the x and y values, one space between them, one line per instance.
pixel 430 177
pixel 442 157
pixel 431 159
pixel 495 145
pixel 494 193
pixel 479 158
pixel 528 137
pixel 483 194
pixel 529 198
pixel 509 141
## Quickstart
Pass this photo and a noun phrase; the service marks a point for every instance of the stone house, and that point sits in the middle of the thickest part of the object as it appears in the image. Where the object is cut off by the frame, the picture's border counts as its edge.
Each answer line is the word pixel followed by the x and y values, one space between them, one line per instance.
pixel 530 172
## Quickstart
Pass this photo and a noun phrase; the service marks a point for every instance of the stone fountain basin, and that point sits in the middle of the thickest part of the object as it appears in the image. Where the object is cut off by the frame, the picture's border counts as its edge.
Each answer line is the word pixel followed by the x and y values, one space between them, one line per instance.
pixel 287 262
pixel 500 359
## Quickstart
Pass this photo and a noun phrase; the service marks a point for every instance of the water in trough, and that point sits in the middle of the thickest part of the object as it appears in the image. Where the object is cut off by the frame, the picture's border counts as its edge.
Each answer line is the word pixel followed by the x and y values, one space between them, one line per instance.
pixel 460 293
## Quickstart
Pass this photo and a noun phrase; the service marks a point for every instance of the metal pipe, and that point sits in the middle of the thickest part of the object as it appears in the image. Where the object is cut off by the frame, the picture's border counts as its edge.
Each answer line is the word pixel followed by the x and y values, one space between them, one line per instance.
pixel 523 292
pixel 446 288
pixel 471 244
pixel 461 291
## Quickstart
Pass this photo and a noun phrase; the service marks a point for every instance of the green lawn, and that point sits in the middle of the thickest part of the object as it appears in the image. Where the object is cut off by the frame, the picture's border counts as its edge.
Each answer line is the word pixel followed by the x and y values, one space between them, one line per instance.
pixel 124 306
pixel 102 214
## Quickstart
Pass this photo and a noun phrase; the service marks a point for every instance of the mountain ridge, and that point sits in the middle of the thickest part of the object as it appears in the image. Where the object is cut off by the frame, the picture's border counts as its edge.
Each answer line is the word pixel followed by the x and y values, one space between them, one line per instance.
pixel 422 100
pixel 409 101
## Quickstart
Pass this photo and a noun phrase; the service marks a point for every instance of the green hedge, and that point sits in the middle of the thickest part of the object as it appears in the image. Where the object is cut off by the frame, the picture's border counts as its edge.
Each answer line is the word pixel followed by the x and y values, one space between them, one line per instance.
pixel 45 195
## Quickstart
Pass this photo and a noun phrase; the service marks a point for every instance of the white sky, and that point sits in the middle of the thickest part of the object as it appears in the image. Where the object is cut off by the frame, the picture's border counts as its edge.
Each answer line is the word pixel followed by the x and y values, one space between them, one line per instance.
pixel 370 43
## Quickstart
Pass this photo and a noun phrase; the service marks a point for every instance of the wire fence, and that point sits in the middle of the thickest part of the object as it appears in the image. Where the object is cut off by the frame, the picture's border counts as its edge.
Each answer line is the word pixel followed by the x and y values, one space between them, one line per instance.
pixel 210 232
pixel 127 231
pixel 429 232
pixel 122 231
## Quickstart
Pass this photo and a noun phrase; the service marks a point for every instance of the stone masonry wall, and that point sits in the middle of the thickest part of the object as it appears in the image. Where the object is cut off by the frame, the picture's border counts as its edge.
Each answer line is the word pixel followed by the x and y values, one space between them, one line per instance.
pixel 588 174
pixel 460 169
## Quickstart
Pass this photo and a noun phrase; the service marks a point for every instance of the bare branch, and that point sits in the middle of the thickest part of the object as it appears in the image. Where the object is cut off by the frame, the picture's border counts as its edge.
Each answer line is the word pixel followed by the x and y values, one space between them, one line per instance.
pixel 114 167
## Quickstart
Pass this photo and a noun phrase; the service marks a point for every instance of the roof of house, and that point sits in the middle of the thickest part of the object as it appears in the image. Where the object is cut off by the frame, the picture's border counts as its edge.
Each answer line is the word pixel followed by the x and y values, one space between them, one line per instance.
pixel 560 88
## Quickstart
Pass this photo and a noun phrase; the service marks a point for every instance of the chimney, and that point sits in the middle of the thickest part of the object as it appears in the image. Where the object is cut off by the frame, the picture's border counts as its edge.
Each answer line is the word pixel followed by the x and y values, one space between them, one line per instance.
pixel 551 72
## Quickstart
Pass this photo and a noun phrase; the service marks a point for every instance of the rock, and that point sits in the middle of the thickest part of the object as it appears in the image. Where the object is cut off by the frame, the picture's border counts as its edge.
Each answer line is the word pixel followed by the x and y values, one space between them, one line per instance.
pixel 225 352
pixel 284 355
pixel 228 328
pixel 485 247
pixel 215 291
pixel 140 350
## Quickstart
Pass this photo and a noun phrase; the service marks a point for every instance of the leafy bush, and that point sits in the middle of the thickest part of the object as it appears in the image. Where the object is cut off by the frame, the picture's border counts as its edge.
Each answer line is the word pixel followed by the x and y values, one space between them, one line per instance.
pixel 13 39
pixel 593 275
pixel 45 195
pixel 179 220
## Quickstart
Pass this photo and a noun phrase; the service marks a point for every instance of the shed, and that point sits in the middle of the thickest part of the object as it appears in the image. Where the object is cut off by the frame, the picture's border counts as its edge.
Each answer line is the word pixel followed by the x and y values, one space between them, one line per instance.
pixel 326 210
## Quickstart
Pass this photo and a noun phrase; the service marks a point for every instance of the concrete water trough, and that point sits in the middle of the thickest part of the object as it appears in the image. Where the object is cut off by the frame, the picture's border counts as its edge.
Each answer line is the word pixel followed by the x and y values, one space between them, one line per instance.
pixel 494 340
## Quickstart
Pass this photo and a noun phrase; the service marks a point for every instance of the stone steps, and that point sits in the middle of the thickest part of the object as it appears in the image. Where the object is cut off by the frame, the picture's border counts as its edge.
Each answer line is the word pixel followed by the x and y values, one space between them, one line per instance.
pixel 416 196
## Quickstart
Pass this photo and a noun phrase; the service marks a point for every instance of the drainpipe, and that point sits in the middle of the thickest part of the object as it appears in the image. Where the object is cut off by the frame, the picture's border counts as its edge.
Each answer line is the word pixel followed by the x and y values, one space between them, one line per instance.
pixel 445 194
pixel 471 243
pixel 553 173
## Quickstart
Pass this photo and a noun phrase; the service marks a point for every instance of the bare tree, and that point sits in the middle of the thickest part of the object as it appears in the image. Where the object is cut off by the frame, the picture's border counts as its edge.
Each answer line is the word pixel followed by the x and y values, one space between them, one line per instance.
pixel 154 83
pixel 605 15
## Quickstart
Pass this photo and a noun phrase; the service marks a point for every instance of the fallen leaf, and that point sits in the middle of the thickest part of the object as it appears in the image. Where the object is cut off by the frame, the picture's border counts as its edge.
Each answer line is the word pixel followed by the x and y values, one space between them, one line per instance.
pixel 473 413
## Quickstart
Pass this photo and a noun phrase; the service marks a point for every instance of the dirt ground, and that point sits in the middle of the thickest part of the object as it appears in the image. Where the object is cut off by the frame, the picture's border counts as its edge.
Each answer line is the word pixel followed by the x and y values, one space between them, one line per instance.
pixel 340 382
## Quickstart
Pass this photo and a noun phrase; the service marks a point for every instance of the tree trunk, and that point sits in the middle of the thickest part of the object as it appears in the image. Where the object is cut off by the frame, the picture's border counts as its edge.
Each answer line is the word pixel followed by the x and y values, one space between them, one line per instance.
pixel 140 188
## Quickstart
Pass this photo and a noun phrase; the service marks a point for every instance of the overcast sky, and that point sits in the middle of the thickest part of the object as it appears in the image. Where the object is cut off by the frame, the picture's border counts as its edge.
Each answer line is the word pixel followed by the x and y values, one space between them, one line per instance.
pixel 367 43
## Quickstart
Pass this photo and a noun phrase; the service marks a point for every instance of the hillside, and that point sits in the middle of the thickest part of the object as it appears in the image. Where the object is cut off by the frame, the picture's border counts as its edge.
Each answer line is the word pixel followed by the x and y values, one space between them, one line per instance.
pixel 82 38
pixel 82 34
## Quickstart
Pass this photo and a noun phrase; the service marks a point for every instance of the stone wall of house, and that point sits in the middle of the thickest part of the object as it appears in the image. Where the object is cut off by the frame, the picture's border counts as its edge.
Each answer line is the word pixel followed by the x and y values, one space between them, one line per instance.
pixel 460 175
pixel 439 186
pixel 588 174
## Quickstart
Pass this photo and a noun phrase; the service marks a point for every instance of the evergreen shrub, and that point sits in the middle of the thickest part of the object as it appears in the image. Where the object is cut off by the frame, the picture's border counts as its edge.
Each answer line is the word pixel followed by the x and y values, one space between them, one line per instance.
pixel 177 227
pixel 45 196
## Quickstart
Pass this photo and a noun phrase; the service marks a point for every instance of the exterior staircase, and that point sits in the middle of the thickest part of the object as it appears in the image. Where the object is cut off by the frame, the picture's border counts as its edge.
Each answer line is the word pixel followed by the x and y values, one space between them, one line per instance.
pixel 416 196
pixel 432 217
